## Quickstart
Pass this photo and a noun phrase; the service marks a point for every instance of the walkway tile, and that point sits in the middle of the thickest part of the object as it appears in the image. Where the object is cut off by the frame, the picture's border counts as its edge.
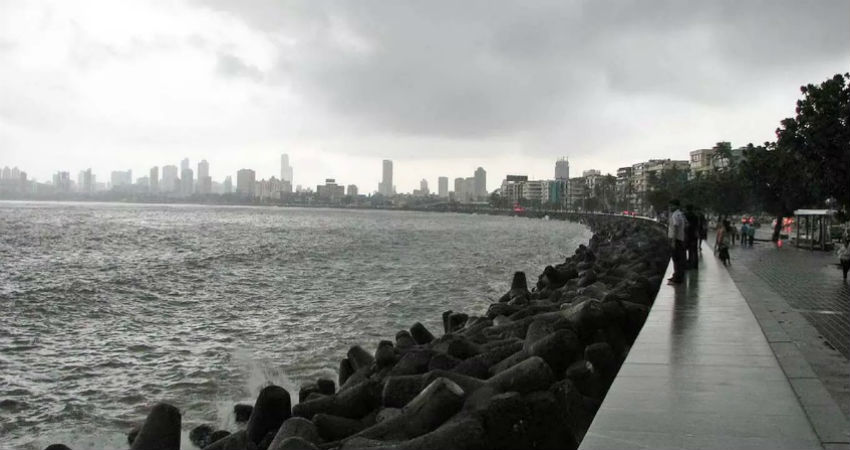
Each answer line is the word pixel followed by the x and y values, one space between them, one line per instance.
pixel 703 375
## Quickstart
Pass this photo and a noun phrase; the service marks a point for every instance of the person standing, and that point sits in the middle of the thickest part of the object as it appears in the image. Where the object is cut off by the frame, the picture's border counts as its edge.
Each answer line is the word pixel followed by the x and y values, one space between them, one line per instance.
pixel 745 231
pixel 703 227
pixel 751 234
pixel 844 257
pixel 676 234
pixel 692 236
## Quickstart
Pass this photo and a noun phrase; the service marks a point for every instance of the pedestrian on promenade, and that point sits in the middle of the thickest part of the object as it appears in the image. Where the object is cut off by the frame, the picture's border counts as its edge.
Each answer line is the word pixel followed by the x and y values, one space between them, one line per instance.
pixel 676 234
pixel 732 231
pixel 722 240
pixel 692 236
pixel 703 227
pixel 745 231
pixel 844 257
pixel 751 234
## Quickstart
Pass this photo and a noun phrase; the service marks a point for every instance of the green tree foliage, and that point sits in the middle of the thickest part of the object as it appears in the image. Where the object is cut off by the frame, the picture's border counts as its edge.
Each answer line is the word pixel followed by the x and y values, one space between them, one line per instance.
pixel 779 180
pixel 818 138
pixel 605 191
pixel 664 186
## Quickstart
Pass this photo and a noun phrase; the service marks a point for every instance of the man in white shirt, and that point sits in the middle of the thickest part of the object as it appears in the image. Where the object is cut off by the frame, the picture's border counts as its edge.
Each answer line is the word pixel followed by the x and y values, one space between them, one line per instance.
pixel 676 234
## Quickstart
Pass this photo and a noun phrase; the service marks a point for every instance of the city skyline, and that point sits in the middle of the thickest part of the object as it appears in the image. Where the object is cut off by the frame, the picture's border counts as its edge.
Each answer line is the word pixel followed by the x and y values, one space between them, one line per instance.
pixel 118 87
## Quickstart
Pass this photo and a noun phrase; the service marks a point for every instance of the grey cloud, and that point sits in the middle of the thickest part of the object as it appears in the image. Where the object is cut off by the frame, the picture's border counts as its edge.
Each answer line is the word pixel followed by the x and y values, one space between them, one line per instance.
pixel 484 68
pixel 232 66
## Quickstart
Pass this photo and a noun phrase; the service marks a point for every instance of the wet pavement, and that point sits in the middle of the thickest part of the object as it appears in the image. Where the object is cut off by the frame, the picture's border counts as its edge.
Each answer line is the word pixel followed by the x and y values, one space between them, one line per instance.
pixel 705 372
pixel 811 283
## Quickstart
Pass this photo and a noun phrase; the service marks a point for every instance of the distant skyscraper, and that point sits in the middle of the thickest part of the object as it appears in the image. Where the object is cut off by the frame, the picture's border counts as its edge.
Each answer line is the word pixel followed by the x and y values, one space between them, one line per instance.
pixel 204 179
pixel 562 169
pixel 153 179
pixel 386 185
pixel 119 178
pixel 187 182
pixel 228 185
pixel 184 164
pixel 480 183
pixel 351 190
pixel 443 187
pixel 245 180
pixel 85 182
pixel 170 179
pixel 458 186
pixel 423 190
pixel 62 182
pixel 285 169
pixel 469 189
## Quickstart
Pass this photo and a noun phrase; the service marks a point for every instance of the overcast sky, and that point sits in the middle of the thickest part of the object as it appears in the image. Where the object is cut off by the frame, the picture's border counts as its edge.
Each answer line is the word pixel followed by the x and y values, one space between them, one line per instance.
pixel 440 87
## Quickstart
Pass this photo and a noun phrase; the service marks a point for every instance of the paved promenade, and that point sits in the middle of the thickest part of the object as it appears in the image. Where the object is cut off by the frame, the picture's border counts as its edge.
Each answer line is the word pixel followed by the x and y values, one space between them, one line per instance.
pixel 707 372
pixel 803 293
pixel 809 281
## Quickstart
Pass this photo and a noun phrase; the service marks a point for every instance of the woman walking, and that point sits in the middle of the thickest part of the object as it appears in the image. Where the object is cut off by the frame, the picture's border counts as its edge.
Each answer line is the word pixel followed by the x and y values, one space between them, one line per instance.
pixel 844 257
pixel 721 242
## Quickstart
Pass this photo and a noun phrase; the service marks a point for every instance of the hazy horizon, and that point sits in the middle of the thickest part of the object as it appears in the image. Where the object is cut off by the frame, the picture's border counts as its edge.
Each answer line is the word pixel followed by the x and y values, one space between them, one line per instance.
pixel 440 88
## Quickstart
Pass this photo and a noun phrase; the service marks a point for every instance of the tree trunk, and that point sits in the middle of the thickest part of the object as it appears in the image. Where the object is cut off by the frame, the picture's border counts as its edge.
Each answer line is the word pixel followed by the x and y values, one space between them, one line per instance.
pixel 777 228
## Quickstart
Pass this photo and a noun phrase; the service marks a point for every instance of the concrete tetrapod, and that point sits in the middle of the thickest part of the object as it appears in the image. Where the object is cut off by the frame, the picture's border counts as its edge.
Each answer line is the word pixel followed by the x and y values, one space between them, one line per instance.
pixel 295 427
pixel 161 430
pixel 427 411
pixel 353 402
pixel 271 409
pixel 462 433
pixel 529 375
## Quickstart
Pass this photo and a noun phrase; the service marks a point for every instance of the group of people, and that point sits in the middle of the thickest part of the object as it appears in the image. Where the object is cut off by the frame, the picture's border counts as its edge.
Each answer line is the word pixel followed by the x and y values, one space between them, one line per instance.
pixel 748 233
pixel 689 227
pixel 686 230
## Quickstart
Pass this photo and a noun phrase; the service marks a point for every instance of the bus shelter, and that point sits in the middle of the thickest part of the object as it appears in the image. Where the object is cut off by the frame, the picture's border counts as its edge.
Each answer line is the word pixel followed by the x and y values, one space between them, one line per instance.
pixel 813 228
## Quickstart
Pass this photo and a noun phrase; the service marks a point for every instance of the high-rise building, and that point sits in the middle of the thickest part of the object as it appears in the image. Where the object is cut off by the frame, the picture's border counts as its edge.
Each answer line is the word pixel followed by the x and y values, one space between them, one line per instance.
pixel 423 190
pixel 562 169
pixel 204 179
pixel 153 179
pixel 443 187
pixel 187 182
pixel 386 186
pixel 577 193
pixel 458 189
pixel 480 184
pixel 121 178
pixel 351 190
pixel 184 164
pixel 62 181
pixel 285 169
pixel 170 179
pixel 228 185
pixel 245 180
pixel 85 182
pixel 469 189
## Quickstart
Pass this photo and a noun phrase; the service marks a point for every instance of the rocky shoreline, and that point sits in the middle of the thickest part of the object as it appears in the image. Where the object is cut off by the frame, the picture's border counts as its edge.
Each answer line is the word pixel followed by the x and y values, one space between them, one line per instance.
pixel 530 373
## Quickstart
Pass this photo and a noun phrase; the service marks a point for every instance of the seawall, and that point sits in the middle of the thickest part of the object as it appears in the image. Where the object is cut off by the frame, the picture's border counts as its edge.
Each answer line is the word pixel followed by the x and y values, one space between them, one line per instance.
pixel 530 373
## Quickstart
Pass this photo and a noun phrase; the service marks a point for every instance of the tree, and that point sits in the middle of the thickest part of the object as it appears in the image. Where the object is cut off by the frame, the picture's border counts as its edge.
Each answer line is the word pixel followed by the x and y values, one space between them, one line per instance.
pixel 779 180
pixel 723 155
pixel 591 204
pixel 664 186
pixel 606 191
pixel 819 138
